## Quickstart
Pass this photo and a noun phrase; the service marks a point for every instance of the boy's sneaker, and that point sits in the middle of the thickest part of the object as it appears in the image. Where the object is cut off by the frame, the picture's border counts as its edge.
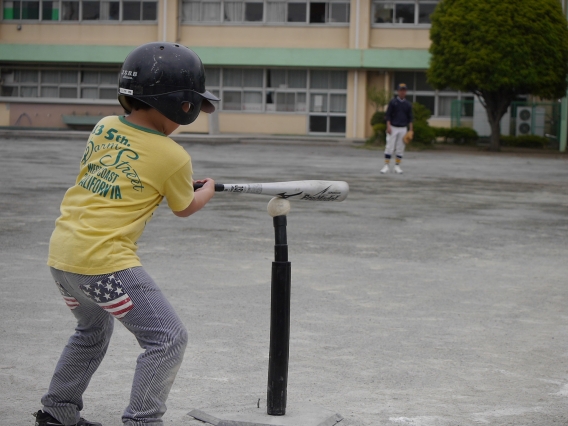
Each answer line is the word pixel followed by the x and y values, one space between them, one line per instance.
pixel 385 169
pixel 45 419
pixel 397 169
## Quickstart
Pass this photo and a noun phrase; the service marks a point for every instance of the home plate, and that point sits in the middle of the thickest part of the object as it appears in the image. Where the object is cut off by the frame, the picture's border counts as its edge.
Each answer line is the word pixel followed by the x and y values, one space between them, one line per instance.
pixel 298 415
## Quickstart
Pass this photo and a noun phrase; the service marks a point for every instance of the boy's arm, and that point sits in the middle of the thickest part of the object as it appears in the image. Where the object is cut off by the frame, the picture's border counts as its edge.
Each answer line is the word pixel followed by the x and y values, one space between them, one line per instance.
pixel 200 198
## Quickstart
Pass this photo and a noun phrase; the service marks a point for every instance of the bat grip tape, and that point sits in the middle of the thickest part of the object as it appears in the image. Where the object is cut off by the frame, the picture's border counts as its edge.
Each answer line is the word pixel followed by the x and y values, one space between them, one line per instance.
pixel 219 187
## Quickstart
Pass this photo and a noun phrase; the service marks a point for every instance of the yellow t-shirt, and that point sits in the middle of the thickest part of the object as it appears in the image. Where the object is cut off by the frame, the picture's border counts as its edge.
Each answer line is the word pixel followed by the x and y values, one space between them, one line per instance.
pixel 125 173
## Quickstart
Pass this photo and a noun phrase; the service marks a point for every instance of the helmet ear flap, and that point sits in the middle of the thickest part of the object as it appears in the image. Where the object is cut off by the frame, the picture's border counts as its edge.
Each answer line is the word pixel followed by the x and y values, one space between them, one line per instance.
pixel 171 105
pixel 207 107
pixel 124 103
pixel 194 108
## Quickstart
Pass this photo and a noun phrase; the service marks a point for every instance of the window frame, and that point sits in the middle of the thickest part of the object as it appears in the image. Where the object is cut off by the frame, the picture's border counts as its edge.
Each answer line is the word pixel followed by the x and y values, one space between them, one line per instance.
pixel 264 22
pixel 285 89
pixel 41 84
pixel 415 24
pixel 80 18
pixel 330 91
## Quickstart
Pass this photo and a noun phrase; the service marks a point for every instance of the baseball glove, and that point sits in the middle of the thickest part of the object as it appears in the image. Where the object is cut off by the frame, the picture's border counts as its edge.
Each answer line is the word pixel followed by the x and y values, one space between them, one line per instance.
pixel 408 137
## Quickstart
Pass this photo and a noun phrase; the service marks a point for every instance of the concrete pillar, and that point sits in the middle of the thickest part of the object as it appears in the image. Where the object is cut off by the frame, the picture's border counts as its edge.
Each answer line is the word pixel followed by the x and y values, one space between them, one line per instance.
pixel 360 24
pixel 168 20
pixel 357 104
pixel 359 35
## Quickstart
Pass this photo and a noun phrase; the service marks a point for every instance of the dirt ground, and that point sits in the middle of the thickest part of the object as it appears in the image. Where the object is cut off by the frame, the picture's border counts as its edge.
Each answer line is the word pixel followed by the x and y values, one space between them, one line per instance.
pixel 433 298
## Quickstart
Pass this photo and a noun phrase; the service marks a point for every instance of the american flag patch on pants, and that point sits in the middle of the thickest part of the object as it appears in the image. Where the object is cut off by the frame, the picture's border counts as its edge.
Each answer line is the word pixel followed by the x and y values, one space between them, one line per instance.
pixel 109 294
pixel 70 301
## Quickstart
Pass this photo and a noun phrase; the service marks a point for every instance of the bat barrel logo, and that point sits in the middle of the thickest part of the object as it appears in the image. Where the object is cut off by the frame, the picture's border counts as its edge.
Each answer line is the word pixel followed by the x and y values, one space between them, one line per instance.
pixel 324 195
pixel 251 188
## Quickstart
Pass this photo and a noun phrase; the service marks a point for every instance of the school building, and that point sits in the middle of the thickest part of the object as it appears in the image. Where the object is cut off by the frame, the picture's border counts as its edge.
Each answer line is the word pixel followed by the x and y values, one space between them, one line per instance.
pixel 288 67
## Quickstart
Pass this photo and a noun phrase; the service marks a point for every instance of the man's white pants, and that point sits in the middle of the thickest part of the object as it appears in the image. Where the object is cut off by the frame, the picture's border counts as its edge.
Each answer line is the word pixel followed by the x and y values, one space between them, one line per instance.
pixel 395 142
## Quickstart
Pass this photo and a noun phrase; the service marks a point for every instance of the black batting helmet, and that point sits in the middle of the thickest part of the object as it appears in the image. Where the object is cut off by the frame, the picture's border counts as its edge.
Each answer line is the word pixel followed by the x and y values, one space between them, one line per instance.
pixel 164 76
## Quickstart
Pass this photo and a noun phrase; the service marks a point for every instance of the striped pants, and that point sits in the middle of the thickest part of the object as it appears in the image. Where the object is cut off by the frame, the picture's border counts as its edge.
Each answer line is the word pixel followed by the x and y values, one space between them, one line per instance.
pixel 142 308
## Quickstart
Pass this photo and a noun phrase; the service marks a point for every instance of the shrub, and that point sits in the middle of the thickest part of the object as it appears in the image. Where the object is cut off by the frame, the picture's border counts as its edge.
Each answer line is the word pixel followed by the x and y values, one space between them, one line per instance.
pixel 527 141
pixel 379 134
pixel 458 135
pixel 462 135
pixel 378 97
pixel 423 133
pixel 378 118
pixel 441 132
pixel 420 112
pixel 380 129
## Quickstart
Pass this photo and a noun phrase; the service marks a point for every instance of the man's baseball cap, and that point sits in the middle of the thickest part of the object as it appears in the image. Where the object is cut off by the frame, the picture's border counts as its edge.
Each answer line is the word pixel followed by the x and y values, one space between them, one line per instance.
pixel 401 86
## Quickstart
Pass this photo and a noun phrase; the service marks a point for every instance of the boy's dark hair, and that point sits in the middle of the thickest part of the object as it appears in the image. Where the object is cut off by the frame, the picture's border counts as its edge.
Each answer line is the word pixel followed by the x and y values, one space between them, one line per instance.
pixel 136 104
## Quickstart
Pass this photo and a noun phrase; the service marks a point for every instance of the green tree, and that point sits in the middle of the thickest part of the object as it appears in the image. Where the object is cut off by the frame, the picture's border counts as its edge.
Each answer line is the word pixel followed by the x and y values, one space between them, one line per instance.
pixel 423 133
pixel 499 49
pixel 378 97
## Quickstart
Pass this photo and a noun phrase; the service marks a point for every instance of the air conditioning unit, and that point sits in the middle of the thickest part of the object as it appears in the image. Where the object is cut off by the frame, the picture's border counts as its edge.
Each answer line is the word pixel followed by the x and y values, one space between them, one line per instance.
pixel 530 121
pixel 524 121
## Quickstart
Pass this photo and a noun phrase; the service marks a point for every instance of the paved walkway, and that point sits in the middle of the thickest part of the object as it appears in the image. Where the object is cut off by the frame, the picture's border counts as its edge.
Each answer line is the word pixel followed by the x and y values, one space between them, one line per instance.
pixel 434 298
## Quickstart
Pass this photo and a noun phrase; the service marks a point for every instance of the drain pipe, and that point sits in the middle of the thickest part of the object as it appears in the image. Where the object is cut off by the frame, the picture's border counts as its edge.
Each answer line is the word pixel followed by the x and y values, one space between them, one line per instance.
pixel 165 21
pixel 356 79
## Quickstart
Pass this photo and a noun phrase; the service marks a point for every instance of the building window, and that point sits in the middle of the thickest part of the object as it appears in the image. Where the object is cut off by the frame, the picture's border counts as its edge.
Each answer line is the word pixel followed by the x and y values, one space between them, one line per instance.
pixel 267 11
pixel 320 94
pixel 243 11
pixel 242 89
pixel 58 84
pixel 439 102
pixel 286 90
pixel 328 101
pixel 81 10
pixel 402 12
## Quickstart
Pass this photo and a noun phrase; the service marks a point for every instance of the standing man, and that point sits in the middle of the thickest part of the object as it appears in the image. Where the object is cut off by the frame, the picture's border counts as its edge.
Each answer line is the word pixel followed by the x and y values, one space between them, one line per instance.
pixel 399 121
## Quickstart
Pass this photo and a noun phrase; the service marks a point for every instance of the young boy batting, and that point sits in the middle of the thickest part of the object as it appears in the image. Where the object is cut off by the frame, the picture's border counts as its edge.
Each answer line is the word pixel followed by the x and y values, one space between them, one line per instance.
pixel 129 165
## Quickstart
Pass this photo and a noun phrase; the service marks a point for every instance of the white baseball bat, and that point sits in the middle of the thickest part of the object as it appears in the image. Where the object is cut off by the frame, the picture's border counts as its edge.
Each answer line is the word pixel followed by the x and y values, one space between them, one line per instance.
pixel 306 190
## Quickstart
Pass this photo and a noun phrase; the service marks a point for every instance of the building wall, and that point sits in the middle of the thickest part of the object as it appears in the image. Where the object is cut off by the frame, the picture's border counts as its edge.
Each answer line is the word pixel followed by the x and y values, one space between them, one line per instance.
pixel 51 115
pixel 73 34
pixel 378 79
pixel 357 105
pixel 270 124
pixel 393 38
pixel 168 19
pixel 360 24
pixel 266 36
pixel 368 53
pixel 4 114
